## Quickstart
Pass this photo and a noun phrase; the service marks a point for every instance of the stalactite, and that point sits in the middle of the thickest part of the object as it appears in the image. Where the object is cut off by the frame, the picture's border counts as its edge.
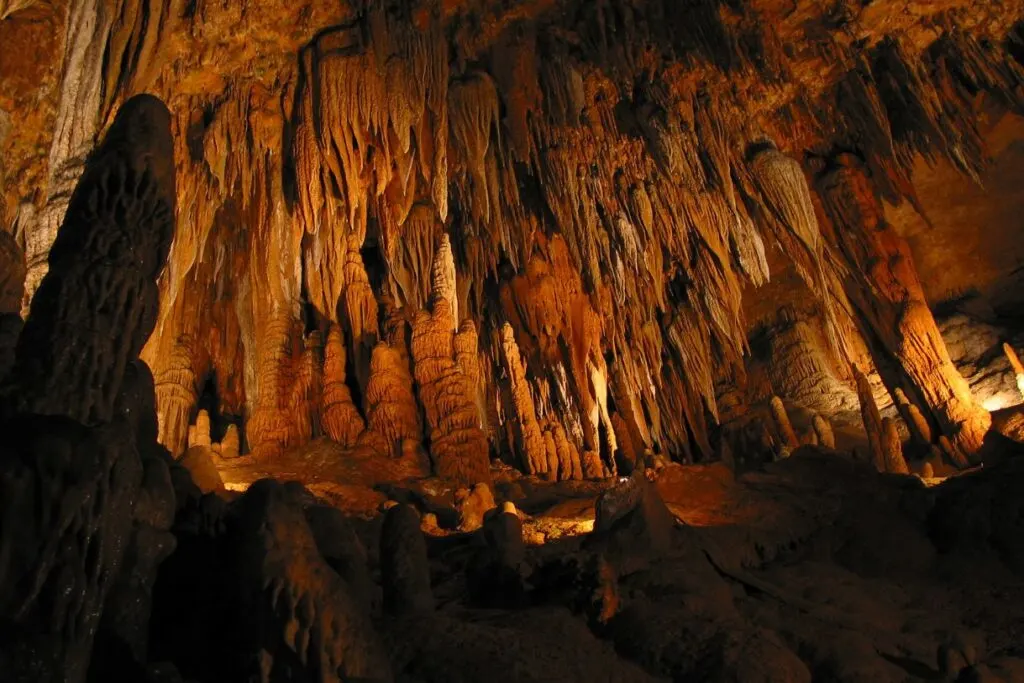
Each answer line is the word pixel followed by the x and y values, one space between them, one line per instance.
pixel 467 356
pixel 521 418
pixel 891 306
pixel 76 128
pixel 613 199
pixel 789 210
pixel 414 256
pixel 473 113
pixel 99 37
pixel 388 94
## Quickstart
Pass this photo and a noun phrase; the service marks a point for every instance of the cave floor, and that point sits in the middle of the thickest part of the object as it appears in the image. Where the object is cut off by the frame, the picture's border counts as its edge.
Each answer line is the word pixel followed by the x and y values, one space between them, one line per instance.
pixel 812 564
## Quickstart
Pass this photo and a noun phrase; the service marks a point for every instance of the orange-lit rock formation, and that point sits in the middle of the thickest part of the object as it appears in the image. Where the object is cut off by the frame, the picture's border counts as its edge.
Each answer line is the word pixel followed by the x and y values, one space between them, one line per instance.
pixel 616 181
pixel 338 414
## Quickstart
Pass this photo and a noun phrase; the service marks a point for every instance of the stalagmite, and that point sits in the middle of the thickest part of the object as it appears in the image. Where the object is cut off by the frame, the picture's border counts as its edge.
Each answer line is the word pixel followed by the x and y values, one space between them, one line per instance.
pixel 79 495
pixel 916 421
pixel 175 395
pixel 229 445
pixel 562 455
pixel 1018 369
pixel 448 387
pixel 338 415
pixel 872 421
pixel 892 447
pixel 887 293
pixel 405 570
pixel 458 446
pixel 782 423
pixel 199 434
pixel 102 270
pixel 391 409
pixel 826 437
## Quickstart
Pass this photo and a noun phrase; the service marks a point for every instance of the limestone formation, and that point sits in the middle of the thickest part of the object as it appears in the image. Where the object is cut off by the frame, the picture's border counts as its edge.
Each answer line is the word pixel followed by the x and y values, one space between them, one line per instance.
pixel 391 409
pixel 892 446
pixel 1018 369
pixel 338 415
pixel 358 309
pixel 826 437
pixel 495 575
pixel 562 455
pixel 473 505
pixel 53 463
pixel 521 415
pixel 199 433
pixel 442 252
pixel 102 274
pixel 782 423
pixel 340 546
pixel 300 615
pixel 86 509
pixel 405 573
pixel 919 427
pixel 229 445
pixel 201 464
pixel 458 446
pixel 12 287
pixel 887 288
pixel 872 420
pixel 632 524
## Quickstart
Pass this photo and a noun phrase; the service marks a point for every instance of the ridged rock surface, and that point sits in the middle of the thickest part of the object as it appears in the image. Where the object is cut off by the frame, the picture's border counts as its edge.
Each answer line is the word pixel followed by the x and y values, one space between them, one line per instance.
pixel 617 181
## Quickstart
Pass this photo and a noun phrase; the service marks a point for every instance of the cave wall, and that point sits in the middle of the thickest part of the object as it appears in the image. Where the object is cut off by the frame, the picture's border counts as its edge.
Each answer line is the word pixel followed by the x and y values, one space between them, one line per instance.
pixel 606 180
pixel 969 238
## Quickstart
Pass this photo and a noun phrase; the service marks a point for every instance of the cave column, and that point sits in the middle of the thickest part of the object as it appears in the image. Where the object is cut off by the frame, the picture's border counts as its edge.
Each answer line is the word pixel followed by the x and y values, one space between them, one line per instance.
pixel 884 288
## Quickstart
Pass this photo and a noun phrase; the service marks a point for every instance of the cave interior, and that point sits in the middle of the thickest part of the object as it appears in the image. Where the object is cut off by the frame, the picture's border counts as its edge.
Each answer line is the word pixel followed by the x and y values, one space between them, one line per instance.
pixel 444 341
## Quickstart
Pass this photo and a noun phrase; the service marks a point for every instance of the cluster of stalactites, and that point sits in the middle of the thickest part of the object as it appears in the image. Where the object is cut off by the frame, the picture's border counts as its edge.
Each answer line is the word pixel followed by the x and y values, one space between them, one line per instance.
pixel 371 138
pixel 632 219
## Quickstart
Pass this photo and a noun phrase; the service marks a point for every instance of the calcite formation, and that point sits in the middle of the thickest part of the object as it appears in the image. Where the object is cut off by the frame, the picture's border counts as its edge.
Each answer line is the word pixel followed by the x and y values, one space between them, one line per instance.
pixel 102 273
pixel 338 414
pixel 885 289
pixel 12 282
pixel 88 501
pixel 615 181
pixel 301 615
pixel 405 571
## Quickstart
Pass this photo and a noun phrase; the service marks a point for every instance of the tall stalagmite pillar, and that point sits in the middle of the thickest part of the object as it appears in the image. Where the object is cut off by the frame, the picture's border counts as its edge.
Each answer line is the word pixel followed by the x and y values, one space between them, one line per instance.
pixel 883 286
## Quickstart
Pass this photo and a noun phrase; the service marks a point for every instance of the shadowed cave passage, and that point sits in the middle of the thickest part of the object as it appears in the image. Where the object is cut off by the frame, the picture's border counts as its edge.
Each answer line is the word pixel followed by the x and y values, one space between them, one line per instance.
pixel 480 340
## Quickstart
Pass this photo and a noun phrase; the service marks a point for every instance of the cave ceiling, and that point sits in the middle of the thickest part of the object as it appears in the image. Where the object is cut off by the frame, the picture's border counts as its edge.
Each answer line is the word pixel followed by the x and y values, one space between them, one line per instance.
pixel 524 228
